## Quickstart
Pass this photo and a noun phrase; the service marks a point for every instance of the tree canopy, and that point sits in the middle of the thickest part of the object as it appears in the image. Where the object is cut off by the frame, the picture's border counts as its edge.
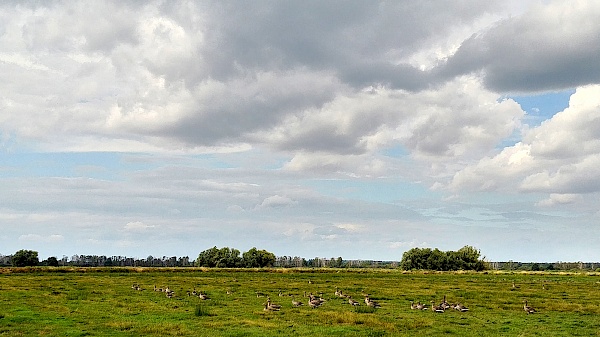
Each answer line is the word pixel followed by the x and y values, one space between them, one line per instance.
pixel 466 258
pixel 255 258
pixel 25 258
pixel 223 258
pixel 230 258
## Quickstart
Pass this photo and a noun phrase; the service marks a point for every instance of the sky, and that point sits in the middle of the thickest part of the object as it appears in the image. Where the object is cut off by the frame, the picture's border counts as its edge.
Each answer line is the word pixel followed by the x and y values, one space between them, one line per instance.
pixel 358 129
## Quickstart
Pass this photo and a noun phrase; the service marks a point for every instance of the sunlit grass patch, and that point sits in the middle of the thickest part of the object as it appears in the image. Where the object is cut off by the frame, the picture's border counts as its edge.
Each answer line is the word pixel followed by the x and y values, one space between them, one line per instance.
pixel 121 325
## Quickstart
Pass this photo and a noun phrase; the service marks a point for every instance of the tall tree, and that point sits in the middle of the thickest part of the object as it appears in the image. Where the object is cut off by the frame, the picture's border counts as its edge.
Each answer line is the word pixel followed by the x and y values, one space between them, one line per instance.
pixel 23 258
pixel 223 258
pixel 52 261
pixel 255 258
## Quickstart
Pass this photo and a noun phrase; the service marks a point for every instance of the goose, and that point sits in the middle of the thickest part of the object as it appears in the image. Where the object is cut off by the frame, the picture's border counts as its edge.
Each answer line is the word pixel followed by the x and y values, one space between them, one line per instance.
pixel 315 303
pixel 296 303
pixel 369 302
pixel 528 309
pixel 421 306
pixel 272 305
pixel 436 308
pixel 413 305
pixel 445 305
pixel 203 296
pixel 269 308
pixel 460 307
pixel 373 304
pixel 316 299
pixel 353 302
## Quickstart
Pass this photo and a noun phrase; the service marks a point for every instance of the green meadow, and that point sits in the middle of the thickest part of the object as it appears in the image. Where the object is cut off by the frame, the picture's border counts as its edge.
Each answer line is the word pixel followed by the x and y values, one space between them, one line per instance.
pixel 102 302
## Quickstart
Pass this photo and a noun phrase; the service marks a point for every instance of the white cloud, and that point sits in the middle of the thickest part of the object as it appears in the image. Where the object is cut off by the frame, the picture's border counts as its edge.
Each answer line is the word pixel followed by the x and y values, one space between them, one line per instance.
pixel 559 199
pixel 37 238
pixel 406 245
pixel 276 201
pixel 559 156
pixel 137 226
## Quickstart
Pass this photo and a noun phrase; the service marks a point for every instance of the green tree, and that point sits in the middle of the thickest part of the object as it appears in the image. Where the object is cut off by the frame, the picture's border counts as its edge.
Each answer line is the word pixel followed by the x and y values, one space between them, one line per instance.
pixel 24 258
pixel 52 261
pixel 466 258
pixel 255 258
pixel 222 258
pixel 415 258
pixel 471 258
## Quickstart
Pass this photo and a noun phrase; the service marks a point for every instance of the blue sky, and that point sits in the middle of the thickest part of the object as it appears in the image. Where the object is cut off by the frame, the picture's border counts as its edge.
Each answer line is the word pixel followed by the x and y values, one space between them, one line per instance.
pixel 360 131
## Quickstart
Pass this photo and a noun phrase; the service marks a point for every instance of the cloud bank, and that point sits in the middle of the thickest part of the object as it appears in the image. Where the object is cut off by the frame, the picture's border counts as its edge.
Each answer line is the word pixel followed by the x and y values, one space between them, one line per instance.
pixel 217 118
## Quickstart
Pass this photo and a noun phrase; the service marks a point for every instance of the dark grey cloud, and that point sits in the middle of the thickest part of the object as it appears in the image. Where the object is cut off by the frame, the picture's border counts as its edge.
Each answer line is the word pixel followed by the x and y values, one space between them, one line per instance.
pixel 362 42
pixel 235 110
pixel 545 49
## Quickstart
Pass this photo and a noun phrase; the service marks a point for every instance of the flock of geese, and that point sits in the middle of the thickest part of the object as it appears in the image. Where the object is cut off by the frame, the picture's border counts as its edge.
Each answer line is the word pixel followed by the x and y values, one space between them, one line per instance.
pixel 443 306
pixel 314 301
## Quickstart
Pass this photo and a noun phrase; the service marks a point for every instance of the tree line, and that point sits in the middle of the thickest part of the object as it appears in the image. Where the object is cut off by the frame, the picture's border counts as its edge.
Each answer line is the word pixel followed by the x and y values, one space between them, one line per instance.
pixel 466 258
pixel 213 257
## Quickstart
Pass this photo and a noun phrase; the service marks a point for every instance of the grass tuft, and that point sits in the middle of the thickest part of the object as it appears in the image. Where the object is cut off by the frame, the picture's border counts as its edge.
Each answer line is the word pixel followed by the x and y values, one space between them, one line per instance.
pixel 364 309
pixel 202 310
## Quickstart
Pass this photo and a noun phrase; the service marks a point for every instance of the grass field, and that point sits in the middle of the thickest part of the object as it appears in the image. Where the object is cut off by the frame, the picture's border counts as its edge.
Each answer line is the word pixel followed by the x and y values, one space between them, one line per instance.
pixel 101 302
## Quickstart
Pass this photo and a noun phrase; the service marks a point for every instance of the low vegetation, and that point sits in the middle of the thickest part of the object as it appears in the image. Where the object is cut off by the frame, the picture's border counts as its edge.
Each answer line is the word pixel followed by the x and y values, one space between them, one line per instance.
pixel 114 301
